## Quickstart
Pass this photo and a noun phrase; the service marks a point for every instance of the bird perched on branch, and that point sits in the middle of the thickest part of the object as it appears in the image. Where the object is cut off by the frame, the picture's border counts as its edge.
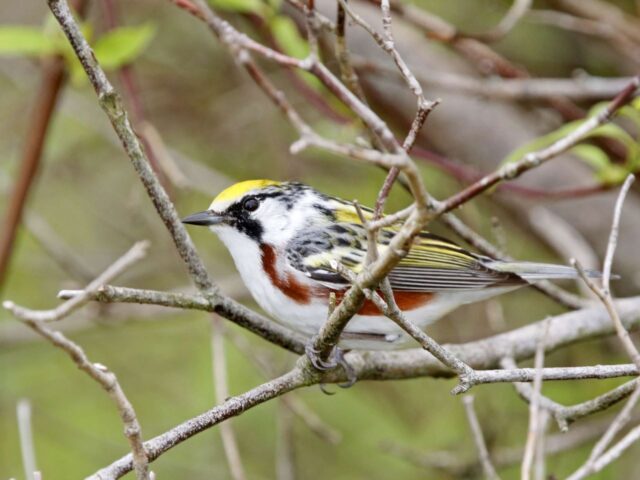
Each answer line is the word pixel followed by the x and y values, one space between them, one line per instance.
pixel 293 244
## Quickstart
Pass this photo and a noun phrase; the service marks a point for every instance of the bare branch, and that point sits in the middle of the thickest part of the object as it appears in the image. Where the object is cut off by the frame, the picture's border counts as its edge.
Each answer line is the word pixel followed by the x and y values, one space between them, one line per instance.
pixel 233 406
pixel 231 310
pixel 390 309
pixel 347 72
pixel 481 354
pixel 519 9
pixel 285 444
pixel 227 434
pixel 36 320
pixel 136 253
pixel 565 415
pixel 581 88
pixel 485 460
pixel 55 248
pixel 535 159
pixel 533 434
pixel 455 464
pixel 293 402
pixel 618 423
pixel 112 106
pixel 604 294
pixel 614 452
pixel 613 237
pixel 27 449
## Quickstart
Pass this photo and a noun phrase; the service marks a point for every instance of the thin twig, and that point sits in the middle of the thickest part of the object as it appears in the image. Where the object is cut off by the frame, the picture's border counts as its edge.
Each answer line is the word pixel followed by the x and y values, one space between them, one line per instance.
pixel 55 248
pixel 533 433
pixel 390 309
pixel 613 237
pixel 285 445
pixel 112 106
pixel 485 460
pixel 264 363
pixel 458 466
pixel 27 448
pixel 233 406
pixel 36 320
pixel 604 294
pixel 565 415
pixel 135 254
pixel 227 434
pixel 616 425
pixel 347 72
pixel 535 159
pixel 519 9
pixel 539 463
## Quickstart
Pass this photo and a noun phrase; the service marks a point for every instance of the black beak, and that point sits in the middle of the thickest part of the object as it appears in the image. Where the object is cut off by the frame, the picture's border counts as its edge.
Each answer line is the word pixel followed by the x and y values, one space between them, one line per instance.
pixel 206 218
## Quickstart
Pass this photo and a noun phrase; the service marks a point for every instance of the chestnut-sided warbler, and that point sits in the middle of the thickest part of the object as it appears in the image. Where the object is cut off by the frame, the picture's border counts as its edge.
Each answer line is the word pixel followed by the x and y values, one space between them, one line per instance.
pixel 286 239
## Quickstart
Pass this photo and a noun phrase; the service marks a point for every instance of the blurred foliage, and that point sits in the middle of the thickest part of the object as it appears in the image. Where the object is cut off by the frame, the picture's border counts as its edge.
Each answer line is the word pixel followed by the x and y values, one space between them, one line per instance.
pixel 605 169
pixel 114 49
pixel 221 128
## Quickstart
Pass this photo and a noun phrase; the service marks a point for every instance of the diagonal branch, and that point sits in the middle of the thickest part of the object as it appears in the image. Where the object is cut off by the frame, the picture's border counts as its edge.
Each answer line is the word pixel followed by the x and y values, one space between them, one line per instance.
pixel 233 406
pixel 485 459
pixel 37 322
pixel 535 159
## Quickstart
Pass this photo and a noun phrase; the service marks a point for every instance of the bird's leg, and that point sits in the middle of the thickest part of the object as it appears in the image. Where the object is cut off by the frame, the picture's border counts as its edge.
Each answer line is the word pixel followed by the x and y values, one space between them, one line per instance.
pixel 336 358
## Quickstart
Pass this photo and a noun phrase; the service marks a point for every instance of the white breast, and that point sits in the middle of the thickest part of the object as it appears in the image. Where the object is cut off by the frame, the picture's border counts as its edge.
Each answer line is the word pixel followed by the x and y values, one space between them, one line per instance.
pixel 308 318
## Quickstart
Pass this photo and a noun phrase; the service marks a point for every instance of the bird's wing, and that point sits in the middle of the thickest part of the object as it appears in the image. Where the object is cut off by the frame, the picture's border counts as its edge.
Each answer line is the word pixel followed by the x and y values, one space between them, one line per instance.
pixel 433 264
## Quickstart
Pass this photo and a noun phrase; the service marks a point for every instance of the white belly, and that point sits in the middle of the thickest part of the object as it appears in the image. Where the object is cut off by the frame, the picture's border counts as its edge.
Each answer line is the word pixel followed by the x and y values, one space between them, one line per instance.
pixel 363 331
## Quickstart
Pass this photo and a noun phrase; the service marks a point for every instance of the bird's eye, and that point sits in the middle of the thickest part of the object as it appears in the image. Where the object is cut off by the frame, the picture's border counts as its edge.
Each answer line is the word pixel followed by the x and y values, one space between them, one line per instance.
pixel 251 204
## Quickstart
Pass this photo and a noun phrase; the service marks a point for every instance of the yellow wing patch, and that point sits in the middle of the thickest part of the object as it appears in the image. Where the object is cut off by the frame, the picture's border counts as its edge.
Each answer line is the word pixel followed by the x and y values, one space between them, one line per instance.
pixel 347 213
pixel 237 190
pixel 436 253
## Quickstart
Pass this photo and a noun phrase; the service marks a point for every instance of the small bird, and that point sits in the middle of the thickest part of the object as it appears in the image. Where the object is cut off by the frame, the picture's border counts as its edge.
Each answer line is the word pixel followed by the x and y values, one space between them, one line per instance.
pixel 287 240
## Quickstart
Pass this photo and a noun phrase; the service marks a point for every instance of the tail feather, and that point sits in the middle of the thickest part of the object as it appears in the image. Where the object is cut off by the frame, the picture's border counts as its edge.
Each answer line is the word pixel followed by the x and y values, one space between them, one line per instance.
pixel 532 271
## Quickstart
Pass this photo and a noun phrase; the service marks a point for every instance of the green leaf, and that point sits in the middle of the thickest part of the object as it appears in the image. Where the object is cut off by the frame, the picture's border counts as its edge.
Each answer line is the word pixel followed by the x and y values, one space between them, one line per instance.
pixel 611 130
pixel 288 37
pixel 605 171
pixel 240 6
pixel 593 155
pixel 25 41
pixel 122 45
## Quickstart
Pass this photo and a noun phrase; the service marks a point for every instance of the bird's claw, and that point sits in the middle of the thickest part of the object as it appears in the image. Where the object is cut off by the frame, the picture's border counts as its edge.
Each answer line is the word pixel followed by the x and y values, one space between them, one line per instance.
pixel 349 371
pixel 313 354
pixel 335 359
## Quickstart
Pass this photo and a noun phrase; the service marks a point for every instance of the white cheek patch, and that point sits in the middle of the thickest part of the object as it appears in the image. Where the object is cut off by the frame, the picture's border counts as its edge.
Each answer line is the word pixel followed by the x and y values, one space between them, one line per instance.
pixel 275 220
pixel 276 223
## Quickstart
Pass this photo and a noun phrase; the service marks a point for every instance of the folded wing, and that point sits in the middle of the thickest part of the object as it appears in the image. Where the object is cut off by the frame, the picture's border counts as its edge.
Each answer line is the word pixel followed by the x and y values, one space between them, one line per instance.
pixel 433 264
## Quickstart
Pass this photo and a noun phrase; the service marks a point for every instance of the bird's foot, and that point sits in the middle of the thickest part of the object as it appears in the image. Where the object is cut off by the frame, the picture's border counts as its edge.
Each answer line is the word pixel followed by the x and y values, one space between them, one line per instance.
pixel 335 359
pixel 314 356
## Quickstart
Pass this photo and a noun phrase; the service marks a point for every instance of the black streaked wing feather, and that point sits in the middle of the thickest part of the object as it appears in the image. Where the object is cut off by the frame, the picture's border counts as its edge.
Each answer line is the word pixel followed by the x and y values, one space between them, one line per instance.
pixel 434 264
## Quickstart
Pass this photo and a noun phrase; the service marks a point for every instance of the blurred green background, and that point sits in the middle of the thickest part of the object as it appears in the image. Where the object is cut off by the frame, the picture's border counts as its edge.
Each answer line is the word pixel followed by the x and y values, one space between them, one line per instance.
pixel 218 127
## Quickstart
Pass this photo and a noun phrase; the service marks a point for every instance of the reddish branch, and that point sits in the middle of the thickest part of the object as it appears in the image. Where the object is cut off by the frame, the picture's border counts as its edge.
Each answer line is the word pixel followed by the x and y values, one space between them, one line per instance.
pixel 488 181
pixel 53 78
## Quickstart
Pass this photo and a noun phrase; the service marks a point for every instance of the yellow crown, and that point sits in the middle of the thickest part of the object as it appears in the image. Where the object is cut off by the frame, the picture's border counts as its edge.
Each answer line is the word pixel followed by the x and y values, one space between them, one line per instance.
pixel 237 190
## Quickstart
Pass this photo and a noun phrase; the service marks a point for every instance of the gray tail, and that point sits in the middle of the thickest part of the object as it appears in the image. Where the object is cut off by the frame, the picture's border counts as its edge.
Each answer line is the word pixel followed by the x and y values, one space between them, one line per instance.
pixel 533 272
